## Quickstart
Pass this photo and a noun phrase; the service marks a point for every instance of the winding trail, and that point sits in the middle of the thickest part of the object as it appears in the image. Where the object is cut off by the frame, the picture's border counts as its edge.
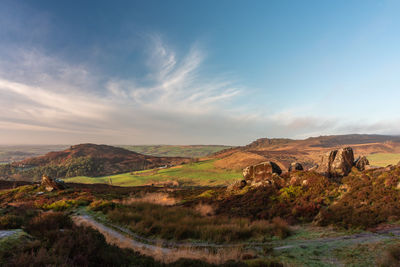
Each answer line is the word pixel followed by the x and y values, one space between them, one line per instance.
pixel 164 251
pixel 169 251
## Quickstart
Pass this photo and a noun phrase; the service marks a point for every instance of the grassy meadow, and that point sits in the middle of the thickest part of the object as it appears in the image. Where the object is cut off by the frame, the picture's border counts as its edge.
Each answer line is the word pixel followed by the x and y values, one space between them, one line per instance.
pixel 202 173
pixel 193 151
pixel 383 159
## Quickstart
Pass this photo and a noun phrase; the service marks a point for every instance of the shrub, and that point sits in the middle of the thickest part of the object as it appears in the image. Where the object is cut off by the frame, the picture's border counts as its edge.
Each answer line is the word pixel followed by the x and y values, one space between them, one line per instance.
pixel 61 243
pixel 62 205
pixel 10 221
pixel 102 205
pixel 48 222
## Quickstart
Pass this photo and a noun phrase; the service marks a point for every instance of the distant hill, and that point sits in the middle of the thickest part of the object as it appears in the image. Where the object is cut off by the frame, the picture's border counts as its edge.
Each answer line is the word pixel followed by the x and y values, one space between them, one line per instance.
pixel 87 159
pixel 13 153
pixel 307 151
pixel 189 151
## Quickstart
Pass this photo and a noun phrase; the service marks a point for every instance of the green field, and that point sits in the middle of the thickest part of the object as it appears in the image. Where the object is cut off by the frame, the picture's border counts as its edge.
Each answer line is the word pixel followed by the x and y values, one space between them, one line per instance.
pixel 202 174
pixel 192 151
pixel 383 159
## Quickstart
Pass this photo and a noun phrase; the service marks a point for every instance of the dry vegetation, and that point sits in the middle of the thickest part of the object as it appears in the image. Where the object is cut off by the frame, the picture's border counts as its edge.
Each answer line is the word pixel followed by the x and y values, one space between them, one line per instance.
pixel 362 200
pixel 180 223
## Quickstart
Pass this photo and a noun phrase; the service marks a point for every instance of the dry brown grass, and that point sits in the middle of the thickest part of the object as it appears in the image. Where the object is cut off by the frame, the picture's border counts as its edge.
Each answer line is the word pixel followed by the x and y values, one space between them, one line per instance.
pixel 204 209
pixel 162 199
pixel 166 255
pixel 180 223
pixel 239 160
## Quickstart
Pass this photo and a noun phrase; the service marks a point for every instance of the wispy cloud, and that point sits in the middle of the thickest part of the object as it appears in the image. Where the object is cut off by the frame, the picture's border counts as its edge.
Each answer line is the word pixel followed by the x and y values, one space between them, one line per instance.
pixel 45 99
pixel 39 92
pixel 176 85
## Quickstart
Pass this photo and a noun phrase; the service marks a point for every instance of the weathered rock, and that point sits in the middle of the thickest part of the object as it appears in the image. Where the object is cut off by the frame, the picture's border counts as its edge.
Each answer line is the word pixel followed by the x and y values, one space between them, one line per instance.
pixel 237 185
pixel 343 162
pixel 295 166
pixel 313 168
pixel 326 161
pixel 361 163
pixel 53 184
pixel 261 171
pixel 248 172
pixel 337 163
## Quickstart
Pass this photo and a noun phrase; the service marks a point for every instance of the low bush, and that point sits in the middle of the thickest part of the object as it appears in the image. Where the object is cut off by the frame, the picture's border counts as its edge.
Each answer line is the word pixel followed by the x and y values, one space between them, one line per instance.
pixel 372 198
pixel 58 242
pixel 15 217
pixel 10 221
pixel 102 205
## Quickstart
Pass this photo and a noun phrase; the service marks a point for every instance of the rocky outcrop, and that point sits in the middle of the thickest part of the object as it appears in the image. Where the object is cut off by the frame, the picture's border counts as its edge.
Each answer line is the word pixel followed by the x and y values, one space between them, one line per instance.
pixel 343 162
pixel 325 165
pixel 52 184
pixel 361 163
pixel 337 163
pixel 259 175
pixel 261 171
pixel 295 166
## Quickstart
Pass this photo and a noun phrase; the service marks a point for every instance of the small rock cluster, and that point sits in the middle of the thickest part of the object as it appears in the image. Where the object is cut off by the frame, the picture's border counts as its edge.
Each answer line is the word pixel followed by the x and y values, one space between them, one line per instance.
pixel 261 171
pixel 262 174
pixel 52 184
pixel 338 163
pixel 334 164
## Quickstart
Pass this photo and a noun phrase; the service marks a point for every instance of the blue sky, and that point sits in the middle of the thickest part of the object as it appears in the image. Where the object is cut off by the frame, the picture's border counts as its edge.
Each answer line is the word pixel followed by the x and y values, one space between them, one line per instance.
pixel 196 72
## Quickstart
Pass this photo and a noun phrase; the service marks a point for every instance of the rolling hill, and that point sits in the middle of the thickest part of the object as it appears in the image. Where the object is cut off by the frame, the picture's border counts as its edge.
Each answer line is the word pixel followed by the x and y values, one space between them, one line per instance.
pixel 87 159
pixel 307 151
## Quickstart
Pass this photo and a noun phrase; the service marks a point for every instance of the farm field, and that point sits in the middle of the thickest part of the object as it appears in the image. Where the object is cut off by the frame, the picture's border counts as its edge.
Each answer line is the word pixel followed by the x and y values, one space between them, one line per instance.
pixel 192 151
pixel 383 159
pixel 195 174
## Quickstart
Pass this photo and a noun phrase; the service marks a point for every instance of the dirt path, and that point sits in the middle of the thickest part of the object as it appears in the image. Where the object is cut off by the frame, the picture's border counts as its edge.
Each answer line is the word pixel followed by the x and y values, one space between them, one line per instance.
pixel 169 251
pixel 158 251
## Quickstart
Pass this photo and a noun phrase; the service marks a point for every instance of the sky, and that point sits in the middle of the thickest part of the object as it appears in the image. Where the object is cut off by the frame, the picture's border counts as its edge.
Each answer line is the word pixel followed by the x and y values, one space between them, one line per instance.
pixel 197 72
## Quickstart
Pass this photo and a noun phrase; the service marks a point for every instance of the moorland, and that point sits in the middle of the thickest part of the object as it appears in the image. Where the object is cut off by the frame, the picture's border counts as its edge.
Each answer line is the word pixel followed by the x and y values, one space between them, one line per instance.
pixel 202 211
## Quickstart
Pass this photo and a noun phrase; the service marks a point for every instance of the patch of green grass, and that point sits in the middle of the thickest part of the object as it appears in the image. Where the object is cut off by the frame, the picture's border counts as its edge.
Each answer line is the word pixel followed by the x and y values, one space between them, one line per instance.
pixel 309 232
pixel 203 173
pixel 369 254
pixel 193 151
pixel 383 159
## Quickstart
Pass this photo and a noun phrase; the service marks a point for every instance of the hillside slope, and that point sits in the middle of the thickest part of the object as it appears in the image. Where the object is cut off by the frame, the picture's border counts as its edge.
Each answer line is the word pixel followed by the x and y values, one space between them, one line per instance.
pixel 87 159
pixel 307 151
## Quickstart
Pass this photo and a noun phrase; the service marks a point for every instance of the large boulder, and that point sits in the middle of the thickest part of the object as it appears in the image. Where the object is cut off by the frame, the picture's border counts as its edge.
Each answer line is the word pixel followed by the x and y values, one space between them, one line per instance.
pixel 324 166
pixel 361 163
pixel 337 163
pixel 295 166
pixel 261 171
pixel 343 162
pixel 52 184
